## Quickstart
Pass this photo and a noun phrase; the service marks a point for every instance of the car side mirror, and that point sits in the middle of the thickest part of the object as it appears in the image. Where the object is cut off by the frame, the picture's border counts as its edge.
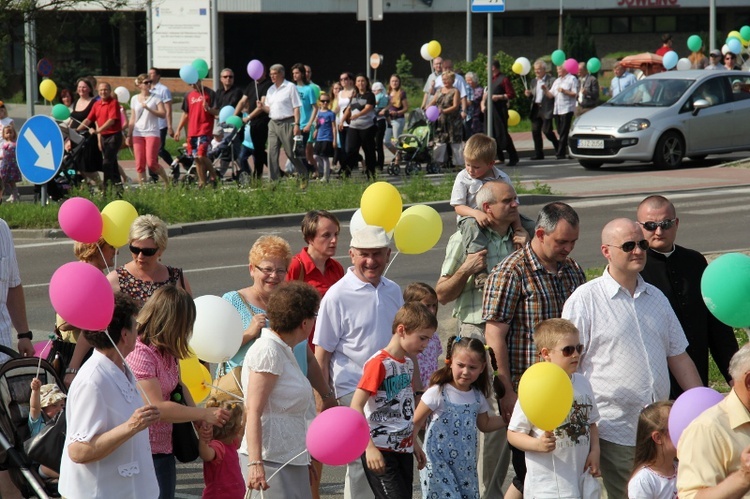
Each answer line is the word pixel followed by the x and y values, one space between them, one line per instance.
pixel 700 104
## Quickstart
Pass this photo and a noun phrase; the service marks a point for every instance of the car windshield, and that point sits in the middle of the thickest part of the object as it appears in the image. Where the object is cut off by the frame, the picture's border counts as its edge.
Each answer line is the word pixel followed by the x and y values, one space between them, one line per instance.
pixel 652 93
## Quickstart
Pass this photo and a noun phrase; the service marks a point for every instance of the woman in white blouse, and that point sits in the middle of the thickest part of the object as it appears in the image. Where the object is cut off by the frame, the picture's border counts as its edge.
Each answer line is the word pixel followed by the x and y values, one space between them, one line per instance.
pixel 279 400
pixel 107 453
pixel 143 130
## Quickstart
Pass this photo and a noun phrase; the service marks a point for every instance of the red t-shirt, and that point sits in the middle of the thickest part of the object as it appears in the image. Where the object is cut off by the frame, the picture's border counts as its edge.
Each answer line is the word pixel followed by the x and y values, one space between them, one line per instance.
pixel 223 476
pixel 103 111
pixel 200 121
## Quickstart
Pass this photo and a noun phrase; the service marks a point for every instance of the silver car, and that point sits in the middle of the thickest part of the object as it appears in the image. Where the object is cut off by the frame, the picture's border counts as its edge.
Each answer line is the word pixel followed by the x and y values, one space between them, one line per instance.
pixel 666 117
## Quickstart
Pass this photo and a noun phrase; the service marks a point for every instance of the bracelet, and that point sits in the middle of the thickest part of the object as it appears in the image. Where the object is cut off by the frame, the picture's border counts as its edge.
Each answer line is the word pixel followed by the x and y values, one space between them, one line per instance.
pixel 327 395
pixel 28 335
pixel 71 370
pixel 255 463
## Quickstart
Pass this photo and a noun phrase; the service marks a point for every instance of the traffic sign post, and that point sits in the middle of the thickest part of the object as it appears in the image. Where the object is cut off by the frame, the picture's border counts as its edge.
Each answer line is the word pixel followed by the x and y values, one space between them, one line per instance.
pixel 490 7
pixel 39 150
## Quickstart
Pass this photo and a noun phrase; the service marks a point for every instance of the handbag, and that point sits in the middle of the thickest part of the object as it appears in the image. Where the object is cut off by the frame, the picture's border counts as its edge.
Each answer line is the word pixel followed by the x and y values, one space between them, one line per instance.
pixel 184 439
pixel 46 447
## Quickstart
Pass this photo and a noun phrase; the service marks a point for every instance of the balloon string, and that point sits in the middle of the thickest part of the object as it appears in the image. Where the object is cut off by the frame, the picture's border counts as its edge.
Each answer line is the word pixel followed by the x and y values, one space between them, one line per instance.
pixel 101 253
pixel 125 363
pixel 257 97
pixel 391 263
pixel 525 85
pixel 223 391
pixel 275 472
pixel 554 471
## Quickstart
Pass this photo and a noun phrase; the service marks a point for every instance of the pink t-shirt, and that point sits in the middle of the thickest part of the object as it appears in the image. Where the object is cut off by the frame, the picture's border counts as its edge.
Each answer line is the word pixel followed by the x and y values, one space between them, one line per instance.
pixel 147 362
pixel 223 475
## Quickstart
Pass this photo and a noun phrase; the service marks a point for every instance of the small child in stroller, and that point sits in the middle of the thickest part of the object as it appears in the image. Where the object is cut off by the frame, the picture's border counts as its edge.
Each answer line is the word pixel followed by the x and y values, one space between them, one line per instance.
pixel 46 402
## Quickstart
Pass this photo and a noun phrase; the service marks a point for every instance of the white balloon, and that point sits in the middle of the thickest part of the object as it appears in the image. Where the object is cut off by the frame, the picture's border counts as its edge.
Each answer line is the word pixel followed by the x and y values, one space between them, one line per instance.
pixel 725 49
pixel 217 332
pixel 123 95
pixel 424 53
pixel 525 64
pixel 684 64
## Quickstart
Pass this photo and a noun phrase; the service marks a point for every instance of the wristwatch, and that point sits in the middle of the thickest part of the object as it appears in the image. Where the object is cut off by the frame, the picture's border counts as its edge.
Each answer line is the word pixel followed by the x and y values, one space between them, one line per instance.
pixel 28 335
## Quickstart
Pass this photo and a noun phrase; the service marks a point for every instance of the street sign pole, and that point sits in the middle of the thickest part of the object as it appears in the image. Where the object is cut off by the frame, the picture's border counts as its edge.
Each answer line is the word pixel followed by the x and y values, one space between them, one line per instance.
pixel 489 104
pixel 368 21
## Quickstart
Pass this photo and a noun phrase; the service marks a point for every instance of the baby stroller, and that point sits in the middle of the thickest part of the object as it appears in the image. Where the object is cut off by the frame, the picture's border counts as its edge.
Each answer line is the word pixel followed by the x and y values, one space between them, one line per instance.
pixel 67 176
pixel 414 146
pixel 215 155
pixel 15 391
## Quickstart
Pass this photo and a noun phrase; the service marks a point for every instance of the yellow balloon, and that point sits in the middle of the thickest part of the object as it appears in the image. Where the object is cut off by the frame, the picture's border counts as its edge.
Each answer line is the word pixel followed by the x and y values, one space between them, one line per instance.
pixel 734 34
pixel 418 230
pixel 434 48
pixel 513 117
pixel 517 68
pixel 117 217
pixel 546 395
pixel 381 205
pixel 196 378
pixel 48 89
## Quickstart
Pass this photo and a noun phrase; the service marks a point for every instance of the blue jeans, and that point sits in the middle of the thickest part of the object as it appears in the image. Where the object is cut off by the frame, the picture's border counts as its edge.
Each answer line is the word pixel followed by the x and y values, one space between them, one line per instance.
pixel 166 474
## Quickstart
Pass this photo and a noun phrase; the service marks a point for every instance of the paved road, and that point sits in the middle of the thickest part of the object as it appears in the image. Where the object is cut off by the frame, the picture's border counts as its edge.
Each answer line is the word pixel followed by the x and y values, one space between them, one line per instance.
pixel 711 221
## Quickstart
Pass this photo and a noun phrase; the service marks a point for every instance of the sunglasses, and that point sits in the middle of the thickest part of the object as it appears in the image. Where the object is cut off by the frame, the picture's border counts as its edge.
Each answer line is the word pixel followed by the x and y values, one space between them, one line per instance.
pixel 146 251
pixel 568 350
pixel 629 246
pixel 324 100
pixel 664 224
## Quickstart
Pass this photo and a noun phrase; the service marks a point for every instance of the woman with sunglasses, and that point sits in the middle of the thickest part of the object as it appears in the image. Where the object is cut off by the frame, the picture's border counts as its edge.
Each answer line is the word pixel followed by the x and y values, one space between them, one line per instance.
pixel 361 118
pixel 143 130
pixel 343 99
pixel 145 274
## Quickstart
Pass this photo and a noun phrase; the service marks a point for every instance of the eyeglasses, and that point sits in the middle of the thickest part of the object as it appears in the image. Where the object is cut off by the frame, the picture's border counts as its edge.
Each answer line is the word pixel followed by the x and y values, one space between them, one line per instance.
pixel 567 351
pixel 227 76
pixel 325 100
pixel 629 246
pixel 664 224
pixel 269 271
pixel 147 82
pixel 146 251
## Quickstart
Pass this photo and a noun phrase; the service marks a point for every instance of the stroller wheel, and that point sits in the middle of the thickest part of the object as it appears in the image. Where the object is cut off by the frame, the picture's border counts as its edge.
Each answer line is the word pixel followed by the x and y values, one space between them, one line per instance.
pixel 433 167
pixel 244 179
pixel 394 169
pixel 412 168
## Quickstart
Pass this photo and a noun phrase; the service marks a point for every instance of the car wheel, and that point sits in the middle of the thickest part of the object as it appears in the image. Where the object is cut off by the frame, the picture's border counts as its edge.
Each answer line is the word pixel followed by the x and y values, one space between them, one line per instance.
pixel 698 157
pixel 669 151
pixel 590 164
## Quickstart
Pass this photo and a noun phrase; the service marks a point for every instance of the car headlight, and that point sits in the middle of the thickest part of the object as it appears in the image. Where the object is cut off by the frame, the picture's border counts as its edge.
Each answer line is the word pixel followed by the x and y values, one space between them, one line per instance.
pixel 634 126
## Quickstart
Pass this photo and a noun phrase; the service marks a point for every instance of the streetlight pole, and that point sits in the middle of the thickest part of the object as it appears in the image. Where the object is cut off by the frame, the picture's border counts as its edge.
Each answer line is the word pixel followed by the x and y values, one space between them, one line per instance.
pixel 560 28
pixel 468 30
pixel 711 24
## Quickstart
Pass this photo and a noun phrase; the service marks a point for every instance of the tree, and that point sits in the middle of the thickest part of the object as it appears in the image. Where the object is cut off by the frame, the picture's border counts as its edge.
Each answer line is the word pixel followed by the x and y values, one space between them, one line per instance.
pixel 577 40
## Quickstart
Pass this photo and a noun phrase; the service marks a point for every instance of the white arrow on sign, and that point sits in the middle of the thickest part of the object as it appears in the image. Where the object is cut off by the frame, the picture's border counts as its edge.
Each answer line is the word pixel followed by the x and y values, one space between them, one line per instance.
pixel 46 159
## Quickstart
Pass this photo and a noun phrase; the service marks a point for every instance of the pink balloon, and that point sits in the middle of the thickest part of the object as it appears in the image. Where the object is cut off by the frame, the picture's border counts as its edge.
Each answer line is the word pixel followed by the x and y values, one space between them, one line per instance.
pixel 338 436
pixel 432 113
pixel 81 294
pixel 81 220
pixel 42 348
pixel 689 406
pixel 255 69
pixel 571 66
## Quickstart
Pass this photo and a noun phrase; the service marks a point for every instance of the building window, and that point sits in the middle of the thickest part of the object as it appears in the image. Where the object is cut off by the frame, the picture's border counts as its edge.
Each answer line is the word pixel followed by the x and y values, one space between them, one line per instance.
pixel 665 24
pixel 599 25
pixel 552 25
pixel 514 26
pixel 642 24
pixel 620 24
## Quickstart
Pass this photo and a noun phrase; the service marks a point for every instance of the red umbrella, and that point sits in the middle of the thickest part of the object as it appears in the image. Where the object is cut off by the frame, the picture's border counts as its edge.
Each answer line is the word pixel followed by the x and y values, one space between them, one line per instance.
pixel 647 62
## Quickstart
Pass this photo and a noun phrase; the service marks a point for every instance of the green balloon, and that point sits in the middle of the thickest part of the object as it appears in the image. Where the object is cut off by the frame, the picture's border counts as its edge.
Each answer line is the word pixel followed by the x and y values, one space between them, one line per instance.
pixel 725 287
pixel 60 112
pixel 594 65
pixel 235 121
pixel 745 32
pixel 202 67
pixel 558 57
pixel 694 43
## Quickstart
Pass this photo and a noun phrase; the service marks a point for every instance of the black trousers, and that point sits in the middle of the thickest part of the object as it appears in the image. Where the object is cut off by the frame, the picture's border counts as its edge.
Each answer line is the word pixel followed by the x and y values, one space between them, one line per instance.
pixel 540 126
pixel 396 481
pixel 110 147
pixel 366 140
pixel 163 153
pixel 380 126
pixel 259 134
pixel 563 122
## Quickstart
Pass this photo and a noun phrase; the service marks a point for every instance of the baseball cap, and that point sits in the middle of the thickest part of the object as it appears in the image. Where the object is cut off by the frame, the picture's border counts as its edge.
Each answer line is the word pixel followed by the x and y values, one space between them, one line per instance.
pixel 50 394
pixel 370 237
pixel 715 53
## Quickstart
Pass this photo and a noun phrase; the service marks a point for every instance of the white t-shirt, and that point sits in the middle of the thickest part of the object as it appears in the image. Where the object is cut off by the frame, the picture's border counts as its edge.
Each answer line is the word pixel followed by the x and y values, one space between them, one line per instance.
pixel 571 450
pixel 146 123
pixel 162 91
pixel 649 484
pixel 465 187
pixel 354 322
pixel 434 399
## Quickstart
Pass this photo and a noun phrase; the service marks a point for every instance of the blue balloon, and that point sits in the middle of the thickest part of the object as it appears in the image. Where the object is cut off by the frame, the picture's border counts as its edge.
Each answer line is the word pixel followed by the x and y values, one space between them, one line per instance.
pixel 735 46
pixel 670 59
pixel 189 74
pixel 225 113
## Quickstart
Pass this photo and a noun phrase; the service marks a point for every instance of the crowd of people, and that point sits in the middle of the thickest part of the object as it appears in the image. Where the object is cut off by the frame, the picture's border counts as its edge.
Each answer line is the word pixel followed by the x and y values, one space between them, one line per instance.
pixel 635 337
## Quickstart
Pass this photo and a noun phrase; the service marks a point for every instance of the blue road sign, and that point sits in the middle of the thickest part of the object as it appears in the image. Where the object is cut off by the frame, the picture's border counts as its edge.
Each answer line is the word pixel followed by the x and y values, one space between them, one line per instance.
pixel 487 6
pixel 39 150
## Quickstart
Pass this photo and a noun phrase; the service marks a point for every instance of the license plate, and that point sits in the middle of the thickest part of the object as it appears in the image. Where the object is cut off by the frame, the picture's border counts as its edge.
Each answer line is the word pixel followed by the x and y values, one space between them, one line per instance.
pixel 590 144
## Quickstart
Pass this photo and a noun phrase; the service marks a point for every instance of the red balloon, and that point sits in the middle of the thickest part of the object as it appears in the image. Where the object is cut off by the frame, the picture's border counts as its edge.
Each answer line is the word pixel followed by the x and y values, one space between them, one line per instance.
pixel 81 294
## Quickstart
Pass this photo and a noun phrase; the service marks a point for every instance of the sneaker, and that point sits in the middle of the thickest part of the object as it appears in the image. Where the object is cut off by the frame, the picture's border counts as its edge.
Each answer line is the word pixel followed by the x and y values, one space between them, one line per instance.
pixel 480 279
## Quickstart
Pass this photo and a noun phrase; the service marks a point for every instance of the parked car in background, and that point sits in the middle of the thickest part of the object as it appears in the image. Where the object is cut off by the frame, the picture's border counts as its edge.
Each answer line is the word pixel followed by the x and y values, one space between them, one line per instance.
pixel 666 117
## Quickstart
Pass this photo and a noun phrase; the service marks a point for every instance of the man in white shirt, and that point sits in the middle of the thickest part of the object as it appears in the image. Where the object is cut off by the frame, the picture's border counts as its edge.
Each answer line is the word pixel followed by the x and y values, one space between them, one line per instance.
pixel 282 103
pixel 564 90
pixel 354 322
pixel 622 80
pixel 632 341
pixel 541 109
pixel 165 124
pixel 432 81
pixel 12 315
